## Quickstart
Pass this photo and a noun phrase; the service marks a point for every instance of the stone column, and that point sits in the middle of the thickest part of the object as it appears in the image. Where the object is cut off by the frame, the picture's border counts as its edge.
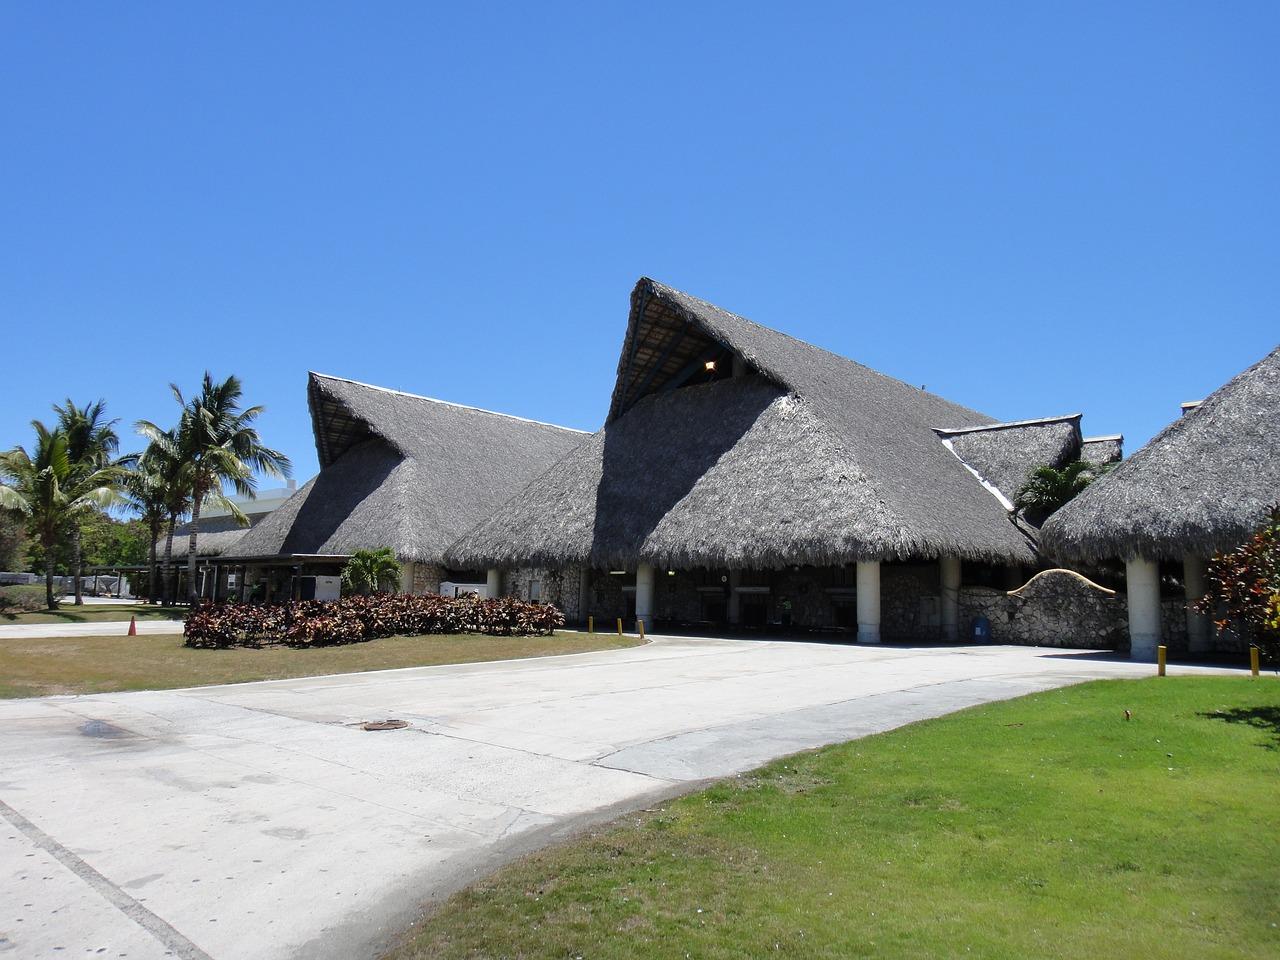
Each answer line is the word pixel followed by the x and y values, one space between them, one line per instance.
pixel 1142 581
pixel 869 601
pixel 1193 579
pixel 950 570
pixel 644 594
pixel 493 583
pixel 733 612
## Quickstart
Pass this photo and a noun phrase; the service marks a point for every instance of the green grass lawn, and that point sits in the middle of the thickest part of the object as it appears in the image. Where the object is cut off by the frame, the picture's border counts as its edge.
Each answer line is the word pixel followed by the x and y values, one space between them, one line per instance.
pixel 39 667
pixel 96 613
pixel 1047 826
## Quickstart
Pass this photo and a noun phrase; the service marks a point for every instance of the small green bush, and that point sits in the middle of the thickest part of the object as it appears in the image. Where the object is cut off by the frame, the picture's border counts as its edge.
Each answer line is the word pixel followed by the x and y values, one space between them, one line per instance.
pixel 22 598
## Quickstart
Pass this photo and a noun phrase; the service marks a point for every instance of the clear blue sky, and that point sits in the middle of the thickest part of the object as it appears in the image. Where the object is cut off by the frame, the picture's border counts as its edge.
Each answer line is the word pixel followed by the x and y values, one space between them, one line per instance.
pixel 1032 209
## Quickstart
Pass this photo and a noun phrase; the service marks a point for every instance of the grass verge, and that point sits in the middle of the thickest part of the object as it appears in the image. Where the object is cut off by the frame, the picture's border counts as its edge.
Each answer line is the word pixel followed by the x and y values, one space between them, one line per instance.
pixel 1047 826
pixel 52 665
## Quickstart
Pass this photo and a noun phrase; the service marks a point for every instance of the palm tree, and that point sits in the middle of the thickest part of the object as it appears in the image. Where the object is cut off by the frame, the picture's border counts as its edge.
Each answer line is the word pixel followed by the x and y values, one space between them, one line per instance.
pixel 371 571
pixel 1047 489
pixel 52 492
pixel 91 445
pixel 216 443
pixel 156 489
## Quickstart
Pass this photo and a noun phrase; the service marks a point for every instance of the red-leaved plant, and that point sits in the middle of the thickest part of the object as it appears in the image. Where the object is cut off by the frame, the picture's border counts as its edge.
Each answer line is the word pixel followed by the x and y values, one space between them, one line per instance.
pixel 357 618
pixel 1244 589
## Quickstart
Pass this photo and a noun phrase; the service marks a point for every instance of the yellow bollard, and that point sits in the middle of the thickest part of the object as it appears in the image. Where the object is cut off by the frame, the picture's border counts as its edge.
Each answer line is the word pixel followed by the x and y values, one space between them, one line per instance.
pixel 640 628
pixel 1160 652
pixel 1253 660
pixel 591 624
pixel 619 626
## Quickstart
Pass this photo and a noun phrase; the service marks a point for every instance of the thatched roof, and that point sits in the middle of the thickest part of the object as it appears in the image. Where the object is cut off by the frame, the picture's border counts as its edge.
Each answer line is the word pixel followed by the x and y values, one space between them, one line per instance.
pixel 810 458
pixel 218 536
pixel 403 471
pixel 1101 451
pixel 1203 484
pixel 1002 454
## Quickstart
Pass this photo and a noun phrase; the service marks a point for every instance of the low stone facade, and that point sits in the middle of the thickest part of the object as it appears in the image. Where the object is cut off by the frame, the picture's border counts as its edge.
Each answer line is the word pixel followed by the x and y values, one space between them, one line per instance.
pixel 560 586
pixel 420 578
pixel 1060 608
pixel 910 601
pixel 1056 608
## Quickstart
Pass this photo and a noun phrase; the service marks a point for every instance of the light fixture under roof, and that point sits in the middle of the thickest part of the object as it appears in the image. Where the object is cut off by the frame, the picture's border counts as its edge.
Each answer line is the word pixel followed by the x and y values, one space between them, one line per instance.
pixel 710 365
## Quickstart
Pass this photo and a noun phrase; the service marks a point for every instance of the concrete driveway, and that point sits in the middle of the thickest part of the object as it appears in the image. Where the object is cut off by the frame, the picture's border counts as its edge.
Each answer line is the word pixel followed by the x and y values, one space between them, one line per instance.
pixel 260 821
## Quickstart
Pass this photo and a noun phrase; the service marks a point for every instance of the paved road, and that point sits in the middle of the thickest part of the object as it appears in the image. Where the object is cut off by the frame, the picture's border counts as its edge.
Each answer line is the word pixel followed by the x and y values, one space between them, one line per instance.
pixel 103 628
pixel 259 821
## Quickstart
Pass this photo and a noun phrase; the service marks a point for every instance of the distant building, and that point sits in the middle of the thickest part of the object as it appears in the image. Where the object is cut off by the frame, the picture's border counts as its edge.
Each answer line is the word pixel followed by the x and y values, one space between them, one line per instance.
pixel 746 477
pixel 397 470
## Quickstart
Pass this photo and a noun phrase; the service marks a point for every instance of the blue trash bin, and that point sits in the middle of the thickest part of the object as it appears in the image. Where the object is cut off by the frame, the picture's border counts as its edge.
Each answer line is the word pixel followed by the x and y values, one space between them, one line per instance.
pixel 981 630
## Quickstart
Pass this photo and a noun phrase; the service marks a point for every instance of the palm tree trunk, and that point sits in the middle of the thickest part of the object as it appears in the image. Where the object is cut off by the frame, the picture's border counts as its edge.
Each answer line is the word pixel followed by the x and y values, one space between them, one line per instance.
pixel 168 562
pixel 192 586
pixel 154 529
pixel 75 563
pixel 48 578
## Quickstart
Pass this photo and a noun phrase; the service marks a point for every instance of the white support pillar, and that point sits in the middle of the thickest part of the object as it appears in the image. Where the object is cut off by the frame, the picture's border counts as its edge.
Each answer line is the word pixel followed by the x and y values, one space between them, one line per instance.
pixel 644 594
pixel 1142 581
pixel 1193 580
pixel 733 612
pixel 869 602
pixel 950 569
pixel 493 583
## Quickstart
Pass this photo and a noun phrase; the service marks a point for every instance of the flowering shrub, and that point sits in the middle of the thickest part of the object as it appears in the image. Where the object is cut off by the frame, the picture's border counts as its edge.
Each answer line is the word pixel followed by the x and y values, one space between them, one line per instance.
pixel 357 618
pixel 1244 588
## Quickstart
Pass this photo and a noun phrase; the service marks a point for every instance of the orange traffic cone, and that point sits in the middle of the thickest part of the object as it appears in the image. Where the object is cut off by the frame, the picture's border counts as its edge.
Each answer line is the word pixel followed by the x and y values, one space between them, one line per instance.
pixel 133 626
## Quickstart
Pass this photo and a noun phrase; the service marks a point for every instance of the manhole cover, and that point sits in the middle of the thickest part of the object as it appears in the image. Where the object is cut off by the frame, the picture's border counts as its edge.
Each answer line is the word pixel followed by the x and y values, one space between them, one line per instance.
pixel 384 725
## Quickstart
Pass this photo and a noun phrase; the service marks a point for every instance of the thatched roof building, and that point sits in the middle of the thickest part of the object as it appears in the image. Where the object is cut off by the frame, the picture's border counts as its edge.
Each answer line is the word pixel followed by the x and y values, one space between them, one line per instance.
pixel 402 471
pixel 1201 485
pixel 729 444
pixel 218 535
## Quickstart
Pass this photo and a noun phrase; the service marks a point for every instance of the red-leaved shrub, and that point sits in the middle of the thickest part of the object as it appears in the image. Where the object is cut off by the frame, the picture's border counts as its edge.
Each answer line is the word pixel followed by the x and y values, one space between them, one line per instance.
pixel 354 619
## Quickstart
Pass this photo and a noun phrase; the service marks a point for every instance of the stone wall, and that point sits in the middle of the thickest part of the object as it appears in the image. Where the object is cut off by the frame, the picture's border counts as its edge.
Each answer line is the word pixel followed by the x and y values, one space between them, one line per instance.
pixel 426 578
pixel 1056 608
pixel 555 585
pixel 1173 624
pixel 910 601
pixel 1060 608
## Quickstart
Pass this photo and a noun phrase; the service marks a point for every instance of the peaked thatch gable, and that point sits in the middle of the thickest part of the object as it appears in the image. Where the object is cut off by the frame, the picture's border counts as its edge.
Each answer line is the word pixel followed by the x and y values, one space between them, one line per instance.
pixel 1101 451
pixel 1003 454
pixel 810 458
pixel 1201 485
pixel 403 471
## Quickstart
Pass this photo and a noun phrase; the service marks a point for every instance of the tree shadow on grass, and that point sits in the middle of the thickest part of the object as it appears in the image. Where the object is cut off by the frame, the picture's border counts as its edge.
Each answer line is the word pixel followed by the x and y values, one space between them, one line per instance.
pixel 1266 719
